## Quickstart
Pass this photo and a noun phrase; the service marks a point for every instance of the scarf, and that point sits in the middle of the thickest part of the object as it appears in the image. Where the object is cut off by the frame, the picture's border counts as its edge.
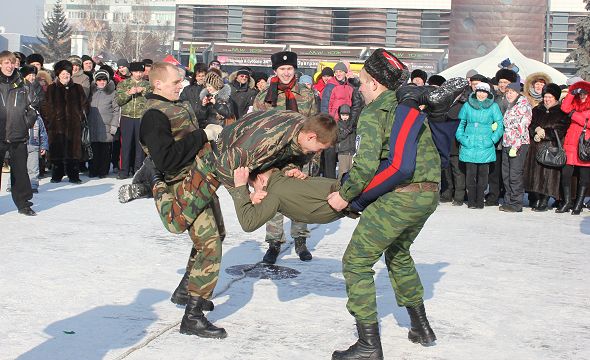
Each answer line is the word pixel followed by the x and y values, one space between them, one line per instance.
pixel 534 95
pixel 273 93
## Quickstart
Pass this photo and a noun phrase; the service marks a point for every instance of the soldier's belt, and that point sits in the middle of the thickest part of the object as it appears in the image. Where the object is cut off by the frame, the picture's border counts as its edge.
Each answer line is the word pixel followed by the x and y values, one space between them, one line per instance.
pixel 417 187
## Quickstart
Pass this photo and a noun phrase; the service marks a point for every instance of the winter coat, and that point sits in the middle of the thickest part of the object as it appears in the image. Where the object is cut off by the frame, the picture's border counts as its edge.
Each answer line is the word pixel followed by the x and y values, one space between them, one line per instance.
pixel 438 101
pixel 242 94
pixel 529 90
pixel 35 93
pixel 475 132
pixel 38 135
pixel 104 114
pixel 63 110
pixel 539 178
pixel 579 112
pixel 319 87
pixel 222 112
pixel 192 94
pixel 516 124
pixel 16 114
pixel 334 95
pixel 346 136
pixel 132 106
pixel 83 80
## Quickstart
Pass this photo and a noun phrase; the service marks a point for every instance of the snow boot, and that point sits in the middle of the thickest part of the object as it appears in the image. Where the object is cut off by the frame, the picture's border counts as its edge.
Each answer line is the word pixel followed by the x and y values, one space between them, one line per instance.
pixel 420 332
pixel 131 192
pixel 367 347
pixel 566 205
pixel 180 296
pixel 301 249
pixel 577 209
pixel 274 248
pixel 194 321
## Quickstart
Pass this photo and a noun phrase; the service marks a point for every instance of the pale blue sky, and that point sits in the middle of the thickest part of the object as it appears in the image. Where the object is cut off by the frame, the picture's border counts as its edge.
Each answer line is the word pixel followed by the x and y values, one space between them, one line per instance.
pixel 22 17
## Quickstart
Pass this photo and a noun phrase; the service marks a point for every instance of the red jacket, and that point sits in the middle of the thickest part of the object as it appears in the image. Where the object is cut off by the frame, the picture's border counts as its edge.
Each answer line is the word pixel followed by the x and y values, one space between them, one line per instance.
pixel 319 86
pixel 334 95
pixel 580 112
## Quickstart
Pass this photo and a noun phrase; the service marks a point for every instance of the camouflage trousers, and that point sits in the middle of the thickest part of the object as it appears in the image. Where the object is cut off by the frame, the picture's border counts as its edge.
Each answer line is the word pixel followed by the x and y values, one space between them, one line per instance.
pixel 389 225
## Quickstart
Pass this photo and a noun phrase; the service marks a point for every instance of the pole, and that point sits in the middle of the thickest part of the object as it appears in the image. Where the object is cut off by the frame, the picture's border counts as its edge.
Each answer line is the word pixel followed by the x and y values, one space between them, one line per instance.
pixel 547 32
pixel 137 42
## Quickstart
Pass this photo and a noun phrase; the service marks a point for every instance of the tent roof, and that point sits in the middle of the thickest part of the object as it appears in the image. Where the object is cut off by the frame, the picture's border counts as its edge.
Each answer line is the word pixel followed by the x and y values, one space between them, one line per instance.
pixel 488 65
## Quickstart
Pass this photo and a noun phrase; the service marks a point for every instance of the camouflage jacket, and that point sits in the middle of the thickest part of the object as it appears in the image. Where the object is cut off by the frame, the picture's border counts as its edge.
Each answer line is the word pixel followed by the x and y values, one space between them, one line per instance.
pixel 132 106
pixel 373 131
pixel 259 141
pixel 306 103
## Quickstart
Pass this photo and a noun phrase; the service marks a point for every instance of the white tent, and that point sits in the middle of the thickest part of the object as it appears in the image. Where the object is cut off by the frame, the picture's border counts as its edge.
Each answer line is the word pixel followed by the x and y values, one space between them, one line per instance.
pixel 488 65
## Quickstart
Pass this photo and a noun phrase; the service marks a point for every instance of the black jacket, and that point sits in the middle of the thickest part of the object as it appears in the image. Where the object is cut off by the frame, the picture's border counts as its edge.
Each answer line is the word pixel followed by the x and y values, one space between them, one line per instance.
pixel 223 111
pixel 439 100
pixel 17 115
pixel 242 94
pixel 191 94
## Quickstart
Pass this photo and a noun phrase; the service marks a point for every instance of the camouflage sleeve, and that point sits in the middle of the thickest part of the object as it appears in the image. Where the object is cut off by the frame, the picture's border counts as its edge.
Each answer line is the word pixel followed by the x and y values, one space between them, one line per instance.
pixel 367 158
pixel 259 103
pixel 250 216
pixel 121 96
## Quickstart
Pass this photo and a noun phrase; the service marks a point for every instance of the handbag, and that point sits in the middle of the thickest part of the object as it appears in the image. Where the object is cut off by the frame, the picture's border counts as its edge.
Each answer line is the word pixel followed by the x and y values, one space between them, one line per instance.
pixel 552 156
pixel 584 145
pixel 86 144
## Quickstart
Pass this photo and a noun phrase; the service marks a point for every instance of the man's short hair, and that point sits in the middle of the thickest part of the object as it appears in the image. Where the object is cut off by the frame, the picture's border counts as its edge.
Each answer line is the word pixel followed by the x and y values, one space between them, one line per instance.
pixel 324 126
pixel 160 71
pixel 200 68
pixel 7 55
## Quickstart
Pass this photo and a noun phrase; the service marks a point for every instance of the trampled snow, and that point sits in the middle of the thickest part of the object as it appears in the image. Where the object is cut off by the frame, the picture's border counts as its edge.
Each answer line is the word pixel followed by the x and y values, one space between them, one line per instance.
pixel 90 278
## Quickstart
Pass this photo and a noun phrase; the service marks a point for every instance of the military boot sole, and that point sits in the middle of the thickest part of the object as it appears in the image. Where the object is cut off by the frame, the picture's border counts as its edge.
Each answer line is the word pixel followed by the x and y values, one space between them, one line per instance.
pixel 422 339
pixel 217 334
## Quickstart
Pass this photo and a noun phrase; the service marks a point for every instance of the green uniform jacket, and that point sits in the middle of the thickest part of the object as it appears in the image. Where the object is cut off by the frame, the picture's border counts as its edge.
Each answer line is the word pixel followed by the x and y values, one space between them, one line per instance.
pixel 305 98
pixel 299 200
pixel 259 141
pixel 132 106
pixel 373 131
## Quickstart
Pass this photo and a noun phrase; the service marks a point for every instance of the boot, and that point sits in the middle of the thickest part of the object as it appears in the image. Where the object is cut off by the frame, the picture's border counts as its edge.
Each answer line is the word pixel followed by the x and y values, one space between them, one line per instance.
pixel 301 249
pixel 566 205
pixel 367 347
pixel 129 192
pixel 194 321
pixel 274 248
pixel 543 203
pixel 579 200
pixel 180 296
pixel 420 332
pixel 447 179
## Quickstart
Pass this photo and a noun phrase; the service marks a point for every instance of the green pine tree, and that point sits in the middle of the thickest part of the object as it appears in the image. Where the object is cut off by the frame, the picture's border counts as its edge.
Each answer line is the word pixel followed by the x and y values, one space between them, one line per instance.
pixel 56 44
pixel 581 55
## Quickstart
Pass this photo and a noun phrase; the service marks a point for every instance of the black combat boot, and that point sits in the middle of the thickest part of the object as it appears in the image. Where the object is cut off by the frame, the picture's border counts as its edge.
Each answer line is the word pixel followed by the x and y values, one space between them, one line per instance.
pixel 566 204
pixel 367 347
pixel 579 204
pixel 447 179
pixel 180 296
pixel 543 203
pixel 274 248
pixel 301 249
pixel 420 332
pixel 194 321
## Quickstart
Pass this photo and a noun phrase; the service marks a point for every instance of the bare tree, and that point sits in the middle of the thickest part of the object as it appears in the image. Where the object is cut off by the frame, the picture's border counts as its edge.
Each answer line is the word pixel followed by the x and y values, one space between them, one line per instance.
pixel 95 24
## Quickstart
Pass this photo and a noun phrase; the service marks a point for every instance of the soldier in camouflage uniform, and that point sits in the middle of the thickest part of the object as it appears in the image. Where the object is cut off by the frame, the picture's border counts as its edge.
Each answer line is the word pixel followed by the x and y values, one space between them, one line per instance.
pixel 284 92
pixel 391 223
pixel 170 134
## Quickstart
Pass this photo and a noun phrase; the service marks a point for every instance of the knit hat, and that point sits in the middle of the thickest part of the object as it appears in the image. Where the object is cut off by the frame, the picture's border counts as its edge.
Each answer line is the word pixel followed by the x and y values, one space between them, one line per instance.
pixel 35 58
pixel 244 70
pixel 327 71
pixel 26 70
pixel 388 70
pixel 102 74
pixel 214 79
pixel 136 66
pixel 482 86
pixel 471 73
pixel 344 109
pixel 436 80
pixel 109 70
pixel 419 73
pixel 514 86
pixel 122 62
pixel 552 89
pixel 283 58
pixel 340 66
pixel 305 79
pixel 506 74
pixel 63 65
pixel 86 58
pixel 75 60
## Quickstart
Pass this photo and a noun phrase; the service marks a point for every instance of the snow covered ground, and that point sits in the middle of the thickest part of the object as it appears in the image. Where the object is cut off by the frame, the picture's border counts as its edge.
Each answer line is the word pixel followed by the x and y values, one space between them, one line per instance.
pixel 89 278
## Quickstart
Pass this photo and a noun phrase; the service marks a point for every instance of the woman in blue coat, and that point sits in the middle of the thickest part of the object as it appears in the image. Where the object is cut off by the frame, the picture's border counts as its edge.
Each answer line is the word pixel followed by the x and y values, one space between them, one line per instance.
pixel 480 128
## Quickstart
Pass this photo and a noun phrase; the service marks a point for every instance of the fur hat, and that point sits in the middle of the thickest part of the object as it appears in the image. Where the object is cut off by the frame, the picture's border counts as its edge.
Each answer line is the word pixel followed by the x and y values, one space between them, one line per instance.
pixel 136 66
pixel 514 86
pixel 122 62
pixel 35 58
pixel 214 79
pixel 283 58
pixel 340 66
pixel 75 60
pixel 102 74
pixel 436 80
pixel 244 70
pixel 63 65
pixel 388 70
pixel 147 62
pixel 479 77
pixel 482 86
pixel 27 70
pixel 327 71
pixel 419 73
pixel 506 74
pixel 552 89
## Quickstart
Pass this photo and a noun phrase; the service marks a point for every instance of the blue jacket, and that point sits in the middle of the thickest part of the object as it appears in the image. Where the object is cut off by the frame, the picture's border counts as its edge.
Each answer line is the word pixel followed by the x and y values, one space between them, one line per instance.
pixel 475 132
pixel 38 135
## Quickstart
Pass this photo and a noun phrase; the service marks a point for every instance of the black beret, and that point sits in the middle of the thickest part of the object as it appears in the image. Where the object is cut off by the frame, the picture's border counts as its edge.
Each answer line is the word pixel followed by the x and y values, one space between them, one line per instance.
pixel 35 58
pixel 136 66
pixel 283 58
pixel 506 74
pixel 388 70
